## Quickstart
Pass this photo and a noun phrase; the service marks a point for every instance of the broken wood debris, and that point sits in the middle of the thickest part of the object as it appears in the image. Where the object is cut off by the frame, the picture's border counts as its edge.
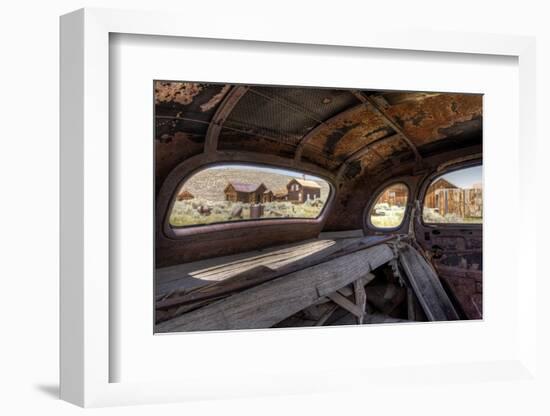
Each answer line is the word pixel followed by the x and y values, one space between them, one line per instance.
pixel 426 285
pixel 271 302
pixel 365 281
pixel 261 273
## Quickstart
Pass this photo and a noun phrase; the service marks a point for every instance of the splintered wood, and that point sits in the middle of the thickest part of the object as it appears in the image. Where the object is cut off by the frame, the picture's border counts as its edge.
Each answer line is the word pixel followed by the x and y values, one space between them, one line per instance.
pixel 269 303
pixel 426 285
pixel 324 282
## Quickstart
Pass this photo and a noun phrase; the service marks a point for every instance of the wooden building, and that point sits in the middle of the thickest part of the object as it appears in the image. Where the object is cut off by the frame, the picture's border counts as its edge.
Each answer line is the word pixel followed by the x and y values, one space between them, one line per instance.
pixel 301 190
pixel 448 199
pixel 267 196
pixel 465 203
pixel 396 195
pixel 433 195
pixel 185 195
pixel 280 195
pixel 244 192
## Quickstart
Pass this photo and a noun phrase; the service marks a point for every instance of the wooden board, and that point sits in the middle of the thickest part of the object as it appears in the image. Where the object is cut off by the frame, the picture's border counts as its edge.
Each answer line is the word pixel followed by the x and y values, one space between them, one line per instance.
pixel 371 318
pixel 260 273
pixel 269 303
pixel 205 272
pixel 426 285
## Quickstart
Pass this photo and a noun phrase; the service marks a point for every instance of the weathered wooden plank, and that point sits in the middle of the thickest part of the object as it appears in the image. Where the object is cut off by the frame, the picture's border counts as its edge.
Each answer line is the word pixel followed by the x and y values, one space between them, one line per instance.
pixel 207 272
pixel 346 290
pixel 371 318
pixel 202 267
pixel 244 280
pixel 426 285
pixel 365 280
pixel 411 308
pixel 345 303
pixel 360 299
pixel 260 274
pixel 269 303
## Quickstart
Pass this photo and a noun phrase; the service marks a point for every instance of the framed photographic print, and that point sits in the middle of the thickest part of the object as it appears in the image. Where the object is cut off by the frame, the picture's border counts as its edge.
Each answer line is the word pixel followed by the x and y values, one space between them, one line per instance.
pixel 280 213
pixel 251 177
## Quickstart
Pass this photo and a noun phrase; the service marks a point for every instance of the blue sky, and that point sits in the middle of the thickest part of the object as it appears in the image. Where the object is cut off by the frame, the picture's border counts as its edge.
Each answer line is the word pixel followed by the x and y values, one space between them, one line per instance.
pixel 465 178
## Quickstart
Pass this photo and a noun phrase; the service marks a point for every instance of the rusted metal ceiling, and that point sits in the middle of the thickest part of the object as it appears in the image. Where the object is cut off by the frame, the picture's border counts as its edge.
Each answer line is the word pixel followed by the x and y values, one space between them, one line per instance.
pixel 352 131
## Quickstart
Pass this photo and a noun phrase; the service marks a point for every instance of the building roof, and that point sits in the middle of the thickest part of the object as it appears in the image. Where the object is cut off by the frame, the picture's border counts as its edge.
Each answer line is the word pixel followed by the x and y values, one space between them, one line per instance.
pixel 447 183
pixel 185 193
pixel 267 191
pixel 280 192
pixel 436 123
pixel 309 184
pixel 245 187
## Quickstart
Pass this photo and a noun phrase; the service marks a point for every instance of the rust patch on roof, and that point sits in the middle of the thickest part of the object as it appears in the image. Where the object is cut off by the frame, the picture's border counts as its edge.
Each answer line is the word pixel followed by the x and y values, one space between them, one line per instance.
pixel 389 147
pixel 343 135
pixel 433 117
pixel 172 151
pixel 393 97
pixel 179 92
pixel 318 157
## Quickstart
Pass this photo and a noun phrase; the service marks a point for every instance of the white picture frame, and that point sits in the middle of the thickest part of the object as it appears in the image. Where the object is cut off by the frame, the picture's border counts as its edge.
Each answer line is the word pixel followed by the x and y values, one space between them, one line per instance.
pixel 86 353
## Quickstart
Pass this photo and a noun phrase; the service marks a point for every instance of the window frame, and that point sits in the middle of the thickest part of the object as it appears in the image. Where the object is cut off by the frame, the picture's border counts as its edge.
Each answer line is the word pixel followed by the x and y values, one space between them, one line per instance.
pixel 183 231
pixel 372 202
pixel 438 174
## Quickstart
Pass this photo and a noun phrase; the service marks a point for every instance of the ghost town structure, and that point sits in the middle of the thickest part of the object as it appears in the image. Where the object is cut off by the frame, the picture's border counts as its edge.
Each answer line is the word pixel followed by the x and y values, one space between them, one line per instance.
pixel 448 199
pixel 301 190
pixel 297 191
pixel 244 192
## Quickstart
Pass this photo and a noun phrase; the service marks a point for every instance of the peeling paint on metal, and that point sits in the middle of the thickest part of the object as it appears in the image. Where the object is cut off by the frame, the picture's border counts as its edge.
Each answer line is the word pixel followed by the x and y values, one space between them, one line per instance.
pixel 179 92
pixel 215 100
pixel 170 150
pixel 358 127
pixel 433 117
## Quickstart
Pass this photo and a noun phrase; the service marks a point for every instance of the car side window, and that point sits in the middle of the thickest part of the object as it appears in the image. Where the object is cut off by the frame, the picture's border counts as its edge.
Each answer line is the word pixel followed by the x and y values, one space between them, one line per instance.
pixel 455 198
pixel 389 209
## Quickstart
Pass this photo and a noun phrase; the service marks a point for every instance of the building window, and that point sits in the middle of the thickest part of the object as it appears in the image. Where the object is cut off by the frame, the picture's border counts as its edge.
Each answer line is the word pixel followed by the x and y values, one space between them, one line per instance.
pixel 231 192
pixel 389 209
pixel 455 198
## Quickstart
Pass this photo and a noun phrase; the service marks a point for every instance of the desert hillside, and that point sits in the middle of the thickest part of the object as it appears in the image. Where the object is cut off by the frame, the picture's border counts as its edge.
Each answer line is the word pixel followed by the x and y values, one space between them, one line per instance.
pixel 210 183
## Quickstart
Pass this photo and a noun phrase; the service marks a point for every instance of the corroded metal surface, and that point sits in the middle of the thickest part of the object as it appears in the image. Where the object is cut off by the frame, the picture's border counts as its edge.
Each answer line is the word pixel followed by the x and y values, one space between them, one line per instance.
pixel 172 151
pixel 322 126
pixel 342 136
pixel 438 116
pixel 183 111
pixel 333 129
pixel 237 140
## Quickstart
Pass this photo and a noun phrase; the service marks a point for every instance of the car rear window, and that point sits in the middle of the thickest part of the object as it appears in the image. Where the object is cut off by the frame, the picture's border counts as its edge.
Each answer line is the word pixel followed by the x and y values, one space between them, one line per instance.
pixel 228 193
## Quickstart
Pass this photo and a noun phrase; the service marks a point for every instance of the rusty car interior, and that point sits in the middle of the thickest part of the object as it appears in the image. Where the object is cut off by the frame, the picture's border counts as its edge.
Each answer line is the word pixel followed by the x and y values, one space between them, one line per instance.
pixel 382 154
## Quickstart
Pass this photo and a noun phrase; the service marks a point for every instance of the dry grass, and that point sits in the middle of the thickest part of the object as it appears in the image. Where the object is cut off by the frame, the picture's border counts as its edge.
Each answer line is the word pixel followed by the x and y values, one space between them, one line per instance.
pixel 387 216
pixel 186 213
pixel 431 216
pixel 210 183
pixel 208 187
